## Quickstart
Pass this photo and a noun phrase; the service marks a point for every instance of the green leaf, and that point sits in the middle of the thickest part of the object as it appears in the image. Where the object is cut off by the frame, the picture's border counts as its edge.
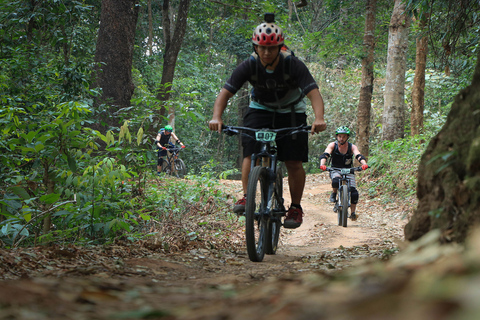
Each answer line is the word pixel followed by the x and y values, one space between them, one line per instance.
pixel 62 213
pixel 21 192
pixel 50 198
pixel 145 217
pixel 139 136
pixel 72 163
pixel 39 147
pixel 27 217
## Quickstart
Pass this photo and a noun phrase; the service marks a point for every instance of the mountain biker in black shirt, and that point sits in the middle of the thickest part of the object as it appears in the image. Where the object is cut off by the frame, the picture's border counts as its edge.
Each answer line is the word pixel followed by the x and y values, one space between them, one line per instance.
pixel 163 142
pixel 341 153
pixel 280 83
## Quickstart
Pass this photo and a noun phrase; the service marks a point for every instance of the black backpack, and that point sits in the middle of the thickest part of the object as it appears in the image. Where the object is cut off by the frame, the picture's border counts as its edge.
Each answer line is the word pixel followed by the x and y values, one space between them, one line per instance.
pixel 287 55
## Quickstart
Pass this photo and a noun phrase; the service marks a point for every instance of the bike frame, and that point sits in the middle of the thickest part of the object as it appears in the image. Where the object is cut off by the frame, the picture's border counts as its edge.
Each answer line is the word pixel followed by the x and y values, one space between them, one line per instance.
pixel 172 153
pixel 263 179
pixel 341 207
pixel 169 162
pixel 268 159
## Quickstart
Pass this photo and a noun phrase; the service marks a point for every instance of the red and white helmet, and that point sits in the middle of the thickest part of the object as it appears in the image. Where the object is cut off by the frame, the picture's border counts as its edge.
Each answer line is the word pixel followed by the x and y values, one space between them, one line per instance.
pixel 267 34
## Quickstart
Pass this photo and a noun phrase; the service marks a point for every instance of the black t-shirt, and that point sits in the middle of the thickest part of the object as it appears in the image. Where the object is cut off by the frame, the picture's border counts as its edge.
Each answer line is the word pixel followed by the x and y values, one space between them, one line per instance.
pixel 340 160
pixel 164 139
pixel 300 81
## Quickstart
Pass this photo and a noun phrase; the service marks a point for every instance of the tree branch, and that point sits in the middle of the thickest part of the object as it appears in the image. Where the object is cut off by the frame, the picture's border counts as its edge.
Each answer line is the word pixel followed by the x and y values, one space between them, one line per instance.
pixel 39 215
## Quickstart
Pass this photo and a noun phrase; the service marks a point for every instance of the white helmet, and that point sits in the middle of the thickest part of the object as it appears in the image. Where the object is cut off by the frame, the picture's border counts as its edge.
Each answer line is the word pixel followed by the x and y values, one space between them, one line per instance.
pixel 268 34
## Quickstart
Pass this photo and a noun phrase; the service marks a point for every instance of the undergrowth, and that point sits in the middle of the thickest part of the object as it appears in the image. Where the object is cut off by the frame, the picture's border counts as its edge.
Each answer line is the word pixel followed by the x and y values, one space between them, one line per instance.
pixel 192 212
pixel 393 168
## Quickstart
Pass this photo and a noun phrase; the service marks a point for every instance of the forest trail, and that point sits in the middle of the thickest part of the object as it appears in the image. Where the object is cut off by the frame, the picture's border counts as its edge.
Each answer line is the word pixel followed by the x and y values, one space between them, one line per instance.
pixel 320 232
pixel 135 283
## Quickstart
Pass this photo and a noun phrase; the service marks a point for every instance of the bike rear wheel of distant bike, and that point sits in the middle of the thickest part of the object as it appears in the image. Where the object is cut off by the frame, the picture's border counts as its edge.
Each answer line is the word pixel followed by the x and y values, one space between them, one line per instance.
pixel 180 169
pixel 343 212
pixel 255 217
pixel 275 221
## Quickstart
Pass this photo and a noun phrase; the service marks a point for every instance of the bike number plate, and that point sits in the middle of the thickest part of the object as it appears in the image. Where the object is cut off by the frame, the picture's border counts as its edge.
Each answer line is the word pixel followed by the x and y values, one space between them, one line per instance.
pixel 265 136
pixel 345 171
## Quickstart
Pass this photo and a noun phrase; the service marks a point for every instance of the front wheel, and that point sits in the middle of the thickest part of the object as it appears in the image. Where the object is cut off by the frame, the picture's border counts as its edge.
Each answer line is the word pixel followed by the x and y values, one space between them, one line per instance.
pixel 274 222
pixel 166 167
pixel 343 212
pixel 255 215
pixel 179 168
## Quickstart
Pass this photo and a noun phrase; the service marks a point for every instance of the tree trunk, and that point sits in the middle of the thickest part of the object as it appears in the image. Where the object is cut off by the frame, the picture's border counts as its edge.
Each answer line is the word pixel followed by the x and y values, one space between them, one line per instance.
pixel 418 91
pixel 290 9
pixel 150 28
pixel 394 96
pixel 50 186
pixel 173 44
pixel 449 172
pixel 366 90
pixel 114 55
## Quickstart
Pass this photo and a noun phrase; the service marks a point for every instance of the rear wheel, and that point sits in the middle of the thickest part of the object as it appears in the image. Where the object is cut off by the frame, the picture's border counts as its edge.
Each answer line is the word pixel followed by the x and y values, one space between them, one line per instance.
pixel 179 168
pixel 255 215
pixel 343 213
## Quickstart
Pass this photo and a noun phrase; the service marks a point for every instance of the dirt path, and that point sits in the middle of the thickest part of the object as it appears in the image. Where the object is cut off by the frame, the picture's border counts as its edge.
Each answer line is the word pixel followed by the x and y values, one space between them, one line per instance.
pixel 72 283
pixel 320 232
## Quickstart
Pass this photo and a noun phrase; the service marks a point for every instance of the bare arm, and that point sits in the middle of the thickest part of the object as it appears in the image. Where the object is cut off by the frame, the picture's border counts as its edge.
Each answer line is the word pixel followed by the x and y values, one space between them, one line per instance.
pixel 218 108
pixel 316 99
pixel 175 139
pixel 329 150
pixel 357 152
pixel 157 140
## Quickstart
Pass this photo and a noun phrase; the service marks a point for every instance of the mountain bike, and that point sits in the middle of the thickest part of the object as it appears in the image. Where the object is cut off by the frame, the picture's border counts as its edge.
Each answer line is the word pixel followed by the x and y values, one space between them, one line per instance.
pixel 173 165
pixel 264 208
pixel 342 201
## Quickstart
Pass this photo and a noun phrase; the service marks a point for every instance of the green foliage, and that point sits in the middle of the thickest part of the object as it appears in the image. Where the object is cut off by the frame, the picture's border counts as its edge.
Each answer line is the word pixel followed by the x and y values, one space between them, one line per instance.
pixel 51 165
pixel 393 167
pixel 440 91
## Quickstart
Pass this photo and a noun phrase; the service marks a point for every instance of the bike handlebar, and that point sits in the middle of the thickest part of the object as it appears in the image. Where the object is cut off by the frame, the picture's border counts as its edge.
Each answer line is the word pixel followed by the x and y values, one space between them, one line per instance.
pixel 174 149
pixel 233 130
pixel 352 170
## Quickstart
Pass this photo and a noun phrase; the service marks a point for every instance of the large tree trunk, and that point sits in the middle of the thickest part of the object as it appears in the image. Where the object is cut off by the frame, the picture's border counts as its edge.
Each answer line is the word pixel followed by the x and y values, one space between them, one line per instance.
pixel 449 172
pixel 173 43
pixel 418 92
pixel 114 52
pixel 366 90
pixel 394 105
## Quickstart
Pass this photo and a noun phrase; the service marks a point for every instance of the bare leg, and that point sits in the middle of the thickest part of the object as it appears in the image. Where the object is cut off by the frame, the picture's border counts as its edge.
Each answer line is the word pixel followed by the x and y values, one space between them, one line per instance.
pixel 296 180
pixel 353 206
pixel 245 172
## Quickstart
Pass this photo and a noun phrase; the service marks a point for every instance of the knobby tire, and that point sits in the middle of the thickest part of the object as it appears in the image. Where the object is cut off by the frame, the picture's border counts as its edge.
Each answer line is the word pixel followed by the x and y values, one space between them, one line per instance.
pixel 274 222
pixel 255 219
pixel 344 201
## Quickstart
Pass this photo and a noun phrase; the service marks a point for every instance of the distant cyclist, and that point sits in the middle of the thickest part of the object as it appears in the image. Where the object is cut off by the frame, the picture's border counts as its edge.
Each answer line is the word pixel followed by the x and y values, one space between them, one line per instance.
pixel 163 142
pixel 280 83
pixel 341 153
